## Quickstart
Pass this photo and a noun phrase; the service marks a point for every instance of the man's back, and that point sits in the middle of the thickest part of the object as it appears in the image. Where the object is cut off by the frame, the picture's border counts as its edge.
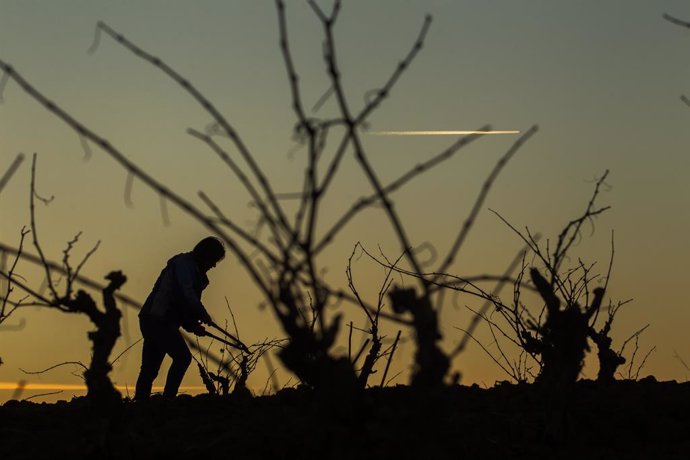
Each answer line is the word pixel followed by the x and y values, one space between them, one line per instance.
pixel 177 292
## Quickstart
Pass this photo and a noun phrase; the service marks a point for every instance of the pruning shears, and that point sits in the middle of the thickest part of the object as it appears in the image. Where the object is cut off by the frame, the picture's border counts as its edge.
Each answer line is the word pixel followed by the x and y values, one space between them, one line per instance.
pixel 236 343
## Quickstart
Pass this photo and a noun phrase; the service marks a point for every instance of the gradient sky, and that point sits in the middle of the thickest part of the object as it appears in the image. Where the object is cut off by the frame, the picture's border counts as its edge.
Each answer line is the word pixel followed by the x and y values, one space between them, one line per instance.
pixel 602 80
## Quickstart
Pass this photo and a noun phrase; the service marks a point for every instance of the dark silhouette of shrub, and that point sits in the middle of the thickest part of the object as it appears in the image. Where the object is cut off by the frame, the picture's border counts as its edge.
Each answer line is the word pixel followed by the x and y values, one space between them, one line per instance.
pixel 562 338
pixel 107 322
pixel 431 363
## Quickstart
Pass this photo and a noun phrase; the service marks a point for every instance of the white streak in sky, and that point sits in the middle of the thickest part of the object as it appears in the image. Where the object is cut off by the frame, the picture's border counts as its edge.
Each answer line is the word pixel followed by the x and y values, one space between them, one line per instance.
pixel 437 133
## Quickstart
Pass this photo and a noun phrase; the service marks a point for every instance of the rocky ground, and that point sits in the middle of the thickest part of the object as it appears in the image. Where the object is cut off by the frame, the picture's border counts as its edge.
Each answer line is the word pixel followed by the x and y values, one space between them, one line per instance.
pixel 626 420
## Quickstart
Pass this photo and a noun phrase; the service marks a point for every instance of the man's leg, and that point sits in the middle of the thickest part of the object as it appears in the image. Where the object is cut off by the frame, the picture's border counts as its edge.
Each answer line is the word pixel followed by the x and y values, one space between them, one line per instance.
pixel 181 356
pixel 151 358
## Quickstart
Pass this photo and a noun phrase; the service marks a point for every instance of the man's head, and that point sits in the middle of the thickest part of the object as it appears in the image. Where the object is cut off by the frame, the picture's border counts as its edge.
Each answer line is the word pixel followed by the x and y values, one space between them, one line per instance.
pixel 208 252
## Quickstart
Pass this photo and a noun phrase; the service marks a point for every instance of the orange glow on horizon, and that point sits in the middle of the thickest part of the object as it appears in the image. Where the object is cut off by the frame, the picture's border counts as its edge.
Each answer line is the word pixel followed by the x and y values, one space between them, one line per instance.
pixel 13 386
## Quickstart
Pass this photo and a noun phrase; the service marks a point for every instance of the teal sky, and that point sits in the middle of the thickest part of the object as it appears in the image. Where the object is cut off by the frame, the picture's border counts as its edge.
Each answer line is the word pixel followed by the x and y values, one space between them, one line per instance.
pixel 601 79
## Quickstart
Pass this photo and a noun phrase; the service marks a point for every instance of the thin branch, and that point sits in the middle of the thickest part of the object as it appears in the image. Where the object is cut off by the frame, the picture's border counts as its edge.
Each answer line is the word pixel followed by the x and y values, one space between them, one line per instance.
pixel 129 184
pixel 361 350
pixel 34 233
pixel 479 202
pixel 232 315
pixel 22 234
pixel 86 148
pixel 644 361
pixel 3 84
pixel 633 336
pixel 574 226
pixel 606 283
pixel 165 217
pixel 388 382
pixel 322 100
pixel 676 21
pixel 65 262
pixel 397 73
pixel 349 343
pixel 112 363
pixel 208 106
pixel 428 278
pixel 289 65
pixel 476 319
pixel 492 324
pixel 42 301
pixel 682 362
pixel 225 157
pixel 392 187
pixel 352 124
pixel 268 381
pixel 29 398
pixel 390 358
pixel 66 363
pixel 11 170
pixel 84 260
pixel 510 373
pixel 258 245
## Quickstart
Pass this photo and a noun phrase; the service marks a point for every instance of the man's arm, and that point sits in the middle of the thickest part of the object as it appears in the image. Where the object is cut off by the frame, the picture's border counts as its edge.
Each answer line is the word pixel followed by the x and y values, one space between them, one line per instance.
pixel 186 273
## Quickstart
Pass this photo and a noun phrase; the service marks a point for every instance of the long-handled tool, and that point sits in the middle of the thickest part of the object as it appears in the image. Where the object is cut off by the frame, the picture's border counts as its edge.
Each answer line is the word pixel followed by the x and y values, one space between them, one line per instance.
pixel 226 342
pixel 238 343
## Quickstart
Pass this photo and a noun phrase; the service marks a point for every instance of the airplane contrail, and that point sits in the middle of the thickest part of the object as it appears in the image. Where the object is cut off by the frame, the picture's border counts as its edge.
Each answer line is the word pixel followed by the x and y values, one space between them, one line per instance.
pixel 438 133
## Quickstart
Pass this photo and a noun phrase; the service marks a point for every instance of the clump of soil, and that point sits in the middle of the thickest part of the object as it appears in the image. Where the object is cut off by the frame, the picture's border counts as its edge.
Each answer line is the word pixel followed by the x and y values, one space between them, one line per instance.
pixel 644 419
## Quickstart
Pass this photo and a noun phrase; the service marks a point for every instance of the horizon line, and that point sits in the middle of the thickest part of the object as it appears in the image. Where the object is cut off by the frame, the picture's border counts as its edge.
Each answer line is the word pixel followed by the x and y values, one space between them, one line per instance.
pixel 14 386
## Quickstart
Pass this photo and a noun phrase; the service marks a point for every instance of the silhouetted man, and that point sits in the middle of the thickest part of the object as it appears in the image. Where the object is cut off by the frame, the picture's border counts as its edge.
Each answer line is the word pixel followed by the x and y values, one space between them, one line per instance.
pixel 175 301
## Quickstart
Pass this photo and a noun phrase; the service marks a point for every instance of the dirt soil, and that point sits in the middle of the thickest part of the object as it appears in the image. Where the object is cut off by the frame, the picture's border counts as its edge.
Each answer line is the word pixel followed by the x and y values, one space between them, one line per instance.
pixel 627 420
